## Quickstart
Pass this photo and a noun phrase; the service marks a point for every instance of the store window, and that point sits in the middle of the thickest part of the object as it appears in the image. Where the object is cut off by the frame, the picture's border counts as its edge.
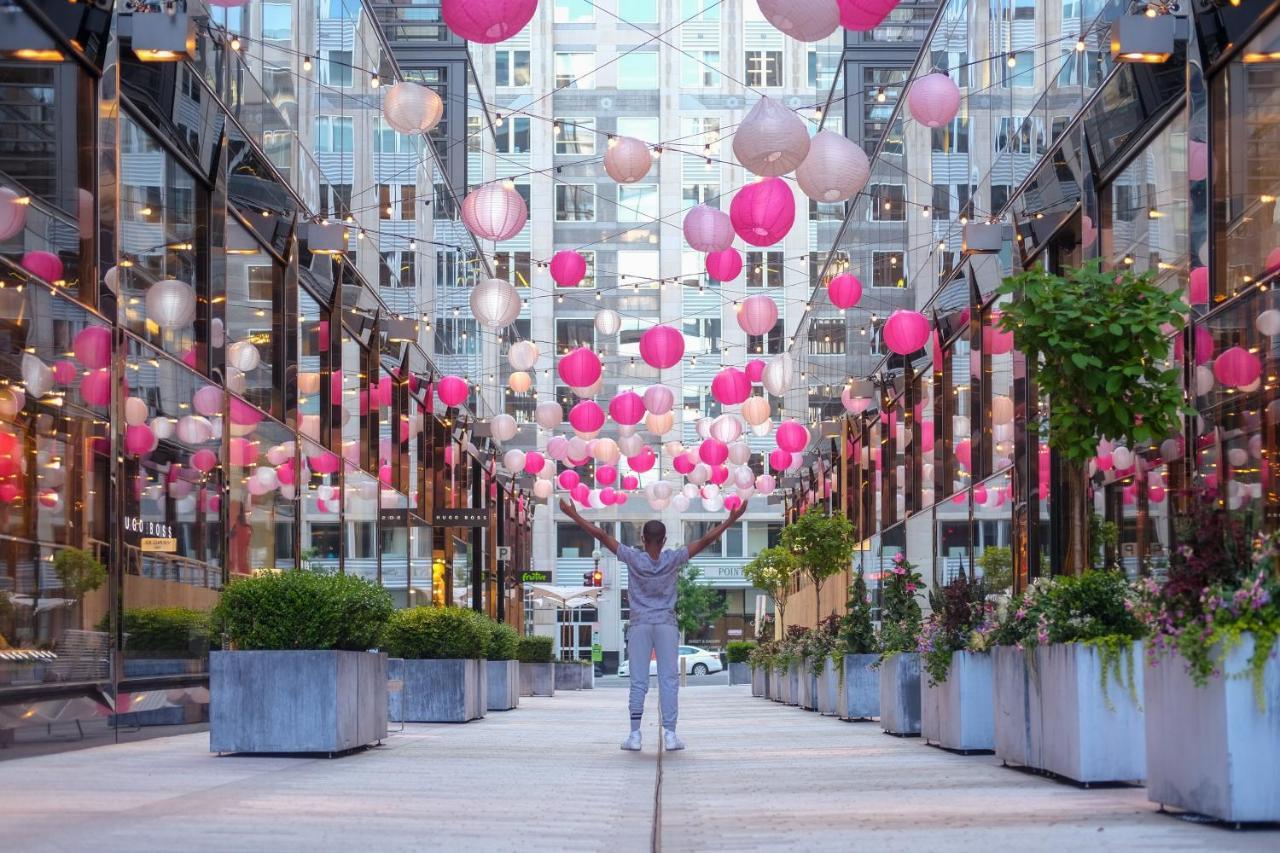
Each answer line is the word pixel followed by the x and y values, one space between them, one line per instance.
pixel 764 68
pixel 638 70
pixel 575 203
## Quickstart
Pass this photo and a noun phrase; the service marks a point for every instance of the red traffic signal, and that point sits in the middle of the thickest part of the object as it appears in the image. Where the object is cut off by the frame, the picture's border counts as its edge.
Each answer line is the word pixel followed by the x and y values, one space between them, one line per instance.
pixel 597 578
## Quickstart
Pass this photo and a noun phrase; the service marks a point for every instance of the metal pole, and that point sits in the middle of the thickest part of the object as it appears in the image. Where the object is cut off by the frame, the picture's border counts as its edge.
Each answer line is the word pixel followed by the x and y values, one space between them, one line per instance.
pixel 500 510
pixel 477 537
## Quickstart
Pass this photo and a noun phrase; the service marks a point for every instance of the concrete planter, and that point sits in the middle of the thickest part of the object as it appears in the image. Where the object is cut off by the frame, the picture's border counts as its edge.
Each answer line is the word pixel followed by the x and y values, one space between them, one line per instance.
pixel 1210 749
pixel 440 691
pixel 740 673
pixel 777 684
pixel 759 681
pixel 296 701
pixel 502 679
pixel 792 692
pixel 860 695
pixel 828 689
pixel 589 677
pixel 900 694
pixel 1014 708
pixel 537 679
pixel 568 675
pixel 807 697
pixel 959 713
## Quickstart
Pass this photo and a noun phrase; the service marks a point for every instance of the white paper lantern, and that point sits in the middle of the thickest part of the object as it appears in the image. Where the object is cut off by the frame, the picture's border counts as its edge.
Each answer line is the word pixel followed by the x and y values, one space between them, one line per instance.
pixel 1203 380
pixel 494 211
pixel 543 489
pixel 659 424
pixel 803 20
pixel 627 159
pixel 519 382
pixel 765 484
pixel 194 429
pixel 217 333
pixel 608 322
pixel 410 108
pixel 662 490
pixel 836 168
pixel 171 304
pixel 778 375
pixel 710 490
pixel 37 376
pixel 689 490
pixel 1122 458
pixel 495 303
pixel 700 474
pixel 244 356
pixel 762 429
pixel 523 355
pixel 713 504
pixel 163 427
pixel 680 503
pixel 703 427
pixel 726 429
pixel 658 399
pixel 739 453
pixel 772 140
pixel 960 426
pixel 625 430
pixel 673 449
pixel 578 448
pixel 630 445
pixel 1268 322
pixel 1237 457
pixel 135 411
pixel 744 477
pixel 707 229
pixel 513 460
pixel 549 414
pixel 756 410
pixel 13 213
pixel 503 427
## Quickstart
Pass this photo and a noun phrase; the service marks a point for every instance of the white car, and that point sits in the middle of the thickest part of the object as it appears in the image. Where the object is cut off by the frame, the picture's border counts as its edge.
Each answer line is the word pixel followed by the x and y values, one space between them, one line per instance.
pixel 696 662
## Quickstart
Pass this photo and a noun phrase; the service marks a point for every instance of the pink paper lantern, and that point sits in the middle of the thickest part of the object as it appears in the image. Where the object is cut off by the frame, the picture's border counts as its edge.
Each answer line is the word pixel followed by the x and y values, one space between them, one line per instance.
pixel 242 452
pixel 682 464
pixel 934 100
pixel 844 291
pixel 1273 260
pixel 607 496
pixel 1104 462
pixel 1237 367
pixel 964 452
pixel 581 368
pixel 286 473
pixel 732 502
pixel 92 346
pixel 708 229
pixel 568 268
pixel 995 340
pixel 95 387
pixel 242 413
pixel 713 452
pixel 586 416
pixel 642 461
pixel 658 399
pixel 627 159
pixel 44 264
pixel 326 463
pixel 452 390
pixel 731 386
pixel 926 436
pixel 661 347
pixel 757 314
pixel 1155 494
pixel 581 493
pixel 534 462
pixel 8 493
pixel 719 474
pixel 568 480
pixel 906 331
pixel 1197 160
pixel 606 475
pixel 64 372
pixel 49 498
pixel 1198 286
pixel 863 15
pixel 630 482
pixel 139 439
pixel 779 459
pixel 725 265
pixel 627 408
pixel 755 369
pixel 494 211
pixel 763 212
pixel 1203 346
pixel 487 21
pixel 204 460
pixel 792 436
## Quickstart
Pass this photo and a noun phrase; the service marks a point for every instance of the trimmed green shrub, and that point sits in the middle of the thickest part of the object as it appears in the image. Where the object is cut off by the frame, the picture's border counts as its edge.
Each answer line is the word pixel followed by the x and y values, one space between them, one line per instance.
pixel 503 641
pixel 437 633
pixel 302 610
pixel 535 649
pixel 166 632
pixel 739 650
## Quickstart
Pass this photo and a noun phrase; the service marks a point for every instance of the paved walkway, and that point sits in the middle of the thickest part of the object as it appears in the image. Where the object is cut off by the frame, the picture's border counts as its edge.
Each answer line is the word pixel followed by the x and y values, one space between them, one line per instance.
pixel 550 776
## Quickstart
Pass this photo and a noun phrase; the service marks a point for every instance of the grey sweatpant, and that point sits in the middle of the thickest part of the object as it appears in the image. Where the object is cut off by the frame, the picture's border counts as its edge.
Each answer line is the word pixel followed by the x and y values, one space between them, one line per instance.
pixel 642 642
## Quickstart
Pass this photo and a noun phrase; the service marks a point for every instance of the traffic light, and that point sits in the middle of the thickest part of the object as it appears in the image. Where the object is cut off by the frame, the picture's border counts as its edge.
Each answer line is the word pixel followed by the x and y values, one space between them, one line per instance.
pixel 587 578
pixel 597 578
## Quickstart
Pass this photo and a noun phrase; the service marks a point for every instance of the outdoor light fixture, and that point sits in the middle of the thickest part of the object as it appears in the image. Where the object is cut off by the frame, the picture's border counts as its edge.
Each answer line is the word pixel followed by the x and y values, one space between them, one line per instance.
pixel 327 238
pixel 1144 39
pixel 983 238
pixel 158 35
pixel 22 38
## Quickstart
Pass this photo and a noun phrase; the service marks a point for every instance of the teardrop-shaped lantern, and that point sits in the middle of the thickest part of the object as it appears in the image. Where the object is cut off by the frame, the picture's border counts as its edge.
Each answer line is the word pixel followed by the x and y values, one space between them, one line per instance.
pixel 836 168
pixel 411 108
pixel 772 140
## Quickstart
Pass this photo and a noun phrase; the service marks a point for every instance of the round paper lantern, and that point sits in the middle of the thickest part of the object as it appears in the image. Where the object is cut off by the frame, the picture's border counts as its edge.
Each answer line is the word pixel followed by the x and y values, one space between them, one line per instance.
pixel 495 303
pixel 778 375
pixel 503 427
pixel 1267 323
pixel 630 482
pixel 755 370
pixel 204 460
pixel 494 211
pixel 608 322
pixel 410 108
pixel 713 452
pixel 906 331
pixel 568 268
pixel 243 414
pixel 763 212
pixel 757 314
pixel 244 356
pixel 1237 367
pixel 853 403
pixel 568 480
pixel 1273 260
pixel 844 291
pixel 487 21
pixel 580 368
pixel 726 429
pixel 452 390
pixel 658 399
pixel 92 346
pixel 703 427
pixel 863 15
pixel 730 386
pixel 519 382
pixel 523 355
pixel 792 437
pixel 37 376
pixel 208 400
pixel 64 372
pixel 803 20
pixel 194 429
pixel 513 460
pixel 13 215
pixel 933 99
pixel 139 439
pixel 586 416
pixel 1198 286
pixel 135 411
pixel 642 461
pixel 46 265
pixel 606 475
pixel 163 427
pixel 708 229
pixel 756 410
pixel 581 493
pixel 549 414
pixel 661 347
pixel 779 459
pixel 765 484
pixel 659 424
pixel 835 170
pixel 772 140
pixel 627 159
pixel 631 444
pixel 1001 409
pixel 627 408
pixel 171 304
pixel 700 474
pixel 543 489
pixel 579 451
pixel 725 265
pixel 680 503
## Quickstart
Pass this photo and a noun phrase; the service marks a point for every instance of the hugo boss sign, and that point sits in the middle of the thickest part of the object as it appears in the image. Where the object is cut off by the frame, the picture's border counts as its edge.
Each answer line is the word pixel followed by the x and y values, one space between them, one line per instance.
pixel 462 517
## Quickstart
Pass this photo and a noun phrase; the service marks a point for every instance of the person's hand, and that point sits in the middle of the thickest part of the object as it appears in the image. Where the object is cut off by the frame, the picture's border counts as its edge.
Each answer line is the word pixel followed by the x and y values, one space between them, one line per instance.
pixel 739 511
pixel 566 506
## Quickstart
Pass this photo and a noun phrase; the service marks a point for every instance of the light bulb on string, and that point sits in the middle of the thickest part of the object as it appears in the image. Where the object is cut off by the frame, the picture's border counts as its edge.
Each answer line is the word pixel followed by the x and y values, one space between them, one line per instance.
pixel 306 63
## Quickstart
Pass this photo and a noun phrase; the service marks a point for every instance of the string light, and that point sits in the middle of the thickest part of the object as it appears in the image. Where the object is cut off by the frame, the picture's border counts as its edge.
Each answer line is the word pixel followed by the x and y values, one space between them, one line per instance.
pixel 306 63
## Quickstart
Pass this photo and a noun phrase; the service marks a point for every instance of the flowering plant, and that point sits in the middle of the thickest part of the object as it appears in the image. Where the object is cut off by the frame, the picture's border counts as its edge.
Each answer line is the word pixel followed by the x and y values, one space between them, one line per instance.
pixel 819 642
pixel 900 607
pixel 958 612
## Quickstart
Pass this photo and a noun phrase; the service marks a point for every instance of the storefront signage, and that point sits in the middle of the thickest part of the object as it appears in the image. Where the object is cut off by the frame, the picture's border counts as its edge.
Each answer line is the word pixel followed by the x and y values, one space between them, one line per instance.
pixel 504 553
pixel 464 517
pixel 159 545
pixel 144 527
pixel 535 576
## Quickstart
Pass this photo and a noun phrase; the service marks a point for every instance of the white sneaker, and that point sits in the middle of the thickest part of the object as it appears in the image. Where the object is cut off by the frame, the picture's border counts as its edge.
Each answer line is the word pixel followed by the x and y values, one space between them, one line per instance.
pixel 671 741
pixel 632 743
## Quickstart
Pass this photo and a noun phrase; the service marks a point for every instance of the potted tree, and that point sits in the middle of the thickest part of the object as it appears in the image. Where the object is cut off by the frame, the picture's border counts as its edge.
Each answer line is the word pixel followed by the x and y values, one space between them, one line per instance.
pixel 761 662
pixel 822 545
pixel 80 573
pixel 900 619
pixel 855 657
pixel 772 571
pixel 501 669
pixel 300 677
pixel 956 709
pixel 537 667
pixel 438 654
pixel 739 654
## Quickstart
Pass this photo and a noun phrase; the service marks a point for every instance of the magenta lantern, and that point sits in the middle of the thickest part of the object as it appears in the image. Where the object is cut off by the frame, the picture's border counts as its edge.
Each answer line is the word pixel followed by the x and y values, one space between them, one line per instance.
pixel 568 268
pixel 725 265
pixel 534 462
pixel 44 264
pixel 934 100
pixel 658 399
pixel 713 452
pixel 64 372
pixel 1273 260
pixel 1203 346
pixel 242 452
pixel 1237 367
pixel 719 474
pixel 9 493
pixel 95 387
pixel 586 416
pixel 792 436
pixel 580 368
pixel 732 502
pixel 863 15
pixel 995 340
pixel 730 386
pixel 627 408
pixel 757 314
pixel 683 464
pixel 452 390
pixel 139 439
pixel 92 346
pixel 844 291
pixel 661 347
pixel 1198 286
pixel 324 463
pixel 763 212
pixel 606 475
pixel 242 414
pixel 779 459
pixel 707 229
pixel 568 480
pixel 630 482
pixel 906 331
pixel 487 21
pixel 964 453
pixel 755 370
pixel 642 461
pixel 581 493
pixel 608 496
pixel 204 460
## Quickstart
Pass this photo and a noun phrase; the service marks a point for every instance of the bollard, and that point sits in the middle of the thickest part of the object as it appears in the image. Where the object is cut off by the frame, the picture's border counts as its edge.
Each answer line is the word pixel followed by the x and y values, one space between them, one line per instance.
pixel 684 676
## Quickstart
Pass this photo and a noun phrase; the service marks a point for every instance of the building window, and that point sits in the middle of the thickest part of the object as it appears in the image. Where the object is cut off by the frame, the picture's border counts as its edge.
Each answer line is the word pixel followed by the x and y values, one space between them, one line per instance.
pixel 638 70
pixel 575 71
pixel 700 10
pixel 889 203
pixel 703 131
pixel 764 269
pixel 385 207
pixel 261 283
pixel 999 197
pixel 513 136
pixel 335 200
pixel 388 141
pixel 573 541
pixel 1024 10
pixel 1022 73
pixel 644 128
pixel 700 69
pixel 764 68
pixel 335 71
pixel 334 134
pixel 952 138
pixel 575 135
pixel 888 269
pixel 693 194
pixel 707 329
pixel 574 332
pixel 941 207
pixel 574 12
pixel 769 344
pixel 397 270
pixel 954 63
pixel 827 336
pixel 515 267
pixel 638 11
pixel 456 336
pixel 512 67
pixel 637 202
pixel 575 203
pixel 408 201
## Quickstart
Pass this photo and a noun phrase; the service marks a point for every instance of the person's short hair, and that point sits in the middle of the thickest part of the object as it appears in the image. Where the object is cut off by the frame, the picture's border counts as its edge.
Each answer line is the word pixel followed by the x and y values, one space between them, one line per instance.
pixel 654 531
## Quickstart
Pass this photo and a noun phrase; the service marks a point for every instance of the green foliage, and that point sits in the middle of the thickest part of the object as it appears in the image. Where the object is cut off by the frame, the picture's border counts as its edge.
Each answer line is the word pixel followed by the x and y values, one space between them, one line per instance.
pixel 996 563
pixel 1098 338
pixel 817 643
pixel 697 605
pixel 1102 535
pixel 437 633
pixel 900 615
pixel 165 632
pixel 302 610
pixel 535 649
pixel 958 612
pixel 821 543
pixel 762 656
pixel 503 640
pixel 857 630
pixel 765 628
pixel 772 571
pixel 79 571
pixel 739 651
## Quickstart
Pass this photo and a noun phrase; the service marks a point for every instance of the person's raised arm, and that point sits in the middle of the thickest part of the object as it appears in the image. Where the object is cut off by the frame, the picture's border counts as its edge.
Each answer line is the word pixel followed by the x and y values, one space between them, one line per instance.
pixel 596 533
pixel 716 532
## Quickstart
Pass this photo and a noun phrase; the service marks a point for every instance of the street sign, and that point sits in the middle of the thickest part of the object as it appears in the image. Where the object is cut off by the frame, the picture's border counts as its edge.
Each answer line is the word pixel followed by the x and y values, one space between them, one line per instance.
pixel 462 517
pixel 535 576
pixel 156 545
pixel 504 553
pixel 597 653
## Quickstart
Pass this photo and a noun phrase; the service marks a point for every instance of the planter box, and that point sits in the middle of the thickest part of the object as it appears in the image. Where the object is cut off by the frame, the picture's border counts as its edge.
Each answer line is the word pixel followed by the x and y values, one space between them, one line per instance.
pixel 740 673
pixel 1014 708
pixel 296 701
pixel 440 691
pixel 776 680
pixel 568 675
pixel 900 694
pixel 502 686
pixel 959 713
pixel 793 689
pixel 1210 749
pixel 806 698
pixel 537 679
pixel 860 698
pixel 828 689
pixel 759 681
pixel 589 677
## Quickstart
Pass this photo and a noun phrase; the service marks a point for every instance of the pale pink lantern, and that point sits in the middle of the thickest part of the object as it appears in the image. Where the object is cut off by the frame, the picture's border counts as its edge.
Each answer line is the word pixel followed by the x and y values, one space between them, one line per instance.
pixel 487 21
pixel 772 140
pixel 906 331
pixel 642 461
pixel 757 314
pixel 836 168
pixel 934 100
pixel 730 386
pixel 1198 286
pixel 725 265
pixel 452 390
pixel 586 416
pixel 755 369
pixel 627 159
pixel 707 229
pixel 863 15
pixel 854 403
pixel 658 399
pixel 763 212
pixel 803 20
pixel 756 410
pixel 627 408
pixel 494 211
pixel 1197 160
pixel 568 268
pixel 792 436
pixel 580 368
pixel 1237 367
pixel 661 347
